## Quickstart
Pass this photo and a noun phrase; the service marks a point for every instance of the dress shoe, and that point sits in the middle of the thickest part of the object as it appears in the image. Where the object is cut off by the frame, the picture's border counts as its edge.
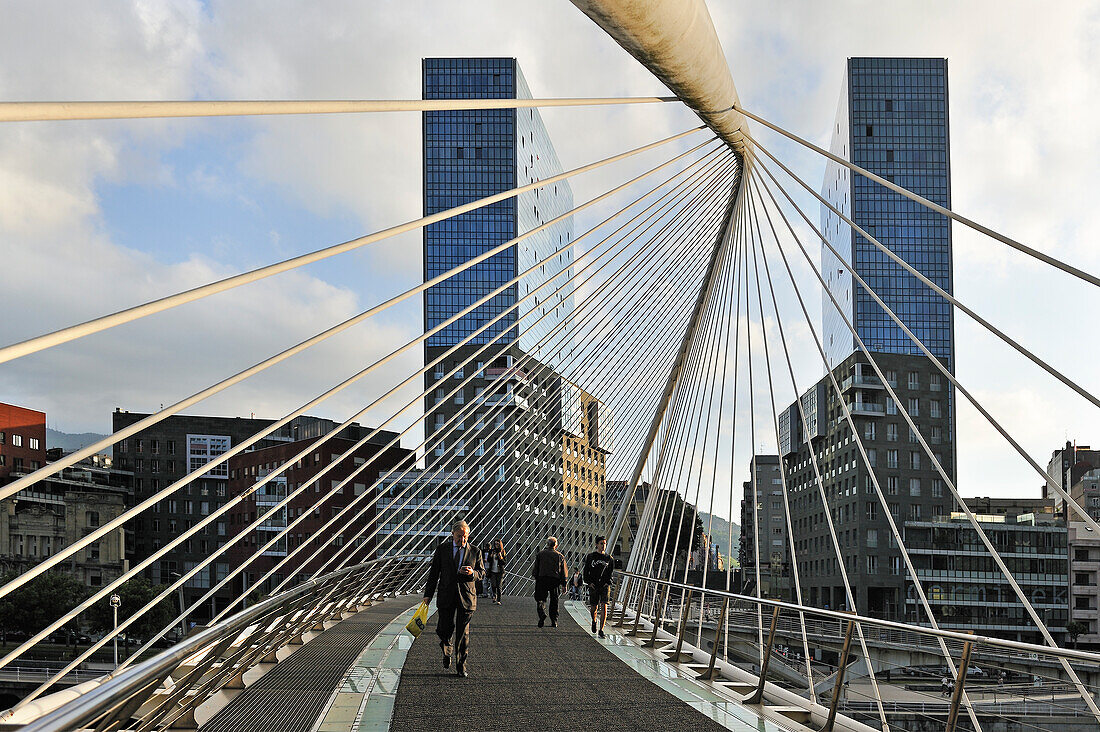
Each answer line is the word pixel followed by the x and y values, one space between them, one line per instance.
pixel 462 671
pixel 553 622
pixel 602 635
pixel 542 622
pixel 446 659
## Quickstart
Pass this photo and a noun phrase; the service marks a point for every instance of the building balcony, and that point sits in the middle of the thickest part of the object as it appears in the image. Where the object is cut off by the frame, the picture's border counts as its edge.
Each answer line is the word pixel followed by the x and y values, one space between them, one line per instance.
pixel 507 374
pixel 866 409
pixel 507 400
pixel 1085 565
pixel 1090 613
pixel 860 381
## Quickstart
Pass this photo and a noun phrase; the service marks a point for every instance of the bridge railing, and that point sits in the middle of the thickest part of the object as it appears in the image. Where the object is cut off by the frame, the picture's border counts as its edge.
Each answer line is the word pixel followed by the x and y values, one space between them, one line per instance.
pixel 165 690
pixel 650 598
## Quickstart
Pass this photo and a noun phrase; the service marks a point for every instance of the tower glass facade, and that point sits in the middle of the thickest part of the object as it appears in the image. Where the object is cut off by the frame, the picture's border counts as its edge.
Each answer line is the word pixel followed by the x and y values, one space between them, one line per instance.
pixel 471 154
pixel 515 436
pixel 892 119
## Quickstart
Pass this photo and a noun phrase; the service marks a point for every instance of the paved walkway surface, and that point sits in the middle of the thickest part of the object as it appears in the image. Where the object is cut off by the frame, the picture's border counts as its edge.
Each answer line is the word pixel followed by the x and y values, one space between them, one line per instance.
pixel 292 696
pixel 524 677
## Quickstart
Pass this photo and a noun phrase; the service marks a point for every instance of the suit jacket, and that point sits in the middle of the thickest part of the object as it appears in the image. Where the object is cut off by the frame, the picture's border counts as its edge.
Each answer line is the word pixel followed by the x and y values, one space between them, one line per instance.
pixel 454 591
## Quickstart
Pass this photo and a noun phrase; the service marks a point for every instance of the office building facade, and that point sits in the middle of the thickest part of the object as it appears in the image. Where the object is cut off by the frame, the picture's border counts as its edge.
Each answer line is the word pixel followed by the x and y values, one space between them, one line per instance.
pixel 764 530
pixel 501 438
pixel 892 119
pixel 911 486
pixel 967 590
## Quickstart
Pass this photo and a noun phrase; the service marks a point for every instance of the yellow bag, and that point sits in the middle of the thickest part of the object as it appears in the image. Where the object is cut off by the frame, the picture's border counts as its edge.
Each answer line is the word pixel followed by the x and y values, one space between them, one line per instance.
pixel 419 619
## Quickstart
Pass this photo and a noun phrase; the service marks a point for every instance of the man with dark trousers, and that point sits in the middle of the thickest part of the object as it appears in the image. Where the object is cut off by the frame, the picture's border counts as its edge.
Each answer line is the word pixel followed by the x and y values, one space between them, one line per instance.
pixel 456 569
pixel 550 575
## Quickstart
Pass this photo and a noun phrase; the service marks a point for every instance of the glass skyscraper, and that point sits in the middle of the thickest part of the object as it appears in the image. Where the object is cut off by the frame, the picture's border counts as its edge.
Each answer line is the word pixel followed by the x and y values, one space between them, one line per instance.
pixel 518 414
pixel 892 119
pixel 470 154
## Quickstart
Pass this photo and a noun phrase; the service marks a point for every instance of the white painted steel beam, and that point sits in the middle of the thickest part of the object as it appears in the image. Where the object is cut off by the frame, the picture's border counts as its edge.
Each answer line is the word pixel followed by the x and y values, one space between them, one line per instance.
pixel 676 41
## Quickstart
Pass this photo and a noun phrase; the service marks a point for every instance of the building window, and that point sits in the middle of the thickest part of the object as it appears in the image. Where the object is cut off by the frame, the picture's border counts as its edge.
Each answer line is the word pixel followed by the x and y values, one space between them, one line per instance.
pixel 914 407
pixel 934 408
pixel 872 564
pixel 91 518
pixel 872 511
pixel 934 383
pixel 171 447
pixel 869 430
pixel 33 443
pixel 892 485
pixel 872 457
pixel 895 565
pixel 17 440
pixel 914 487
pixel 937 488
pixel 892 432
pixel 891 458
pixel 892 378
pixel 872 537
pixel 891 406
pixel 914 460
pixel 914 512
pixel 914 380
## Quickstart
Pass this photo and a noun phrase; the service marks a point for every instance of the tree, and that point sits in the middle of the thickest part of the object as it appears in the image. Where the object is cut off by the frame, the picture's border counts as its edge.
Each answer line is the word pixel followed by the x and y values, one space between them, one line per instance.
pixel 1076 628
pixel 677 520
pixel 135 595
pixel 39 602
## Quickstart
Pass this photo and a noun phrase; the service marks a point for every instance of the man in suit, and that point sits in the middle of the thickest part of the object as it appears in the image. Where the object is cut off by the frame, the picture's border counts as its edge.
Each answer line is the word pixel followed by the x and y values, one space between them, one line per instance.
pixel 456 569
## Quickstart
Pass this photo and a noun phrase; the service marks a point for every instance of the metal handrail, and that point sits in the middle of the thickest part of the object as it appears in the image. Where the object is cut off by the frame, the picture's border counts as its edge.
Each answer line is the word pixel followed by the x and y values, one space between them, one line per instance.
pixel 1067 653
pixel 89 706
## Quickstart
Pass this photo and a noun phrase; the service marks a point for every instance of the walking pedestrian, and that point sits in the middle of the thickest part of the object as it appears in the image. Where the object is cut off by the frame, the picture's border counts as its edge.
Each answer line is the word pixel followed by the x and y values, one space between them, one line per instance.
pixel 599 572
pixel 455 571
pixel 575 584
pixel 551 574
pixel 494 566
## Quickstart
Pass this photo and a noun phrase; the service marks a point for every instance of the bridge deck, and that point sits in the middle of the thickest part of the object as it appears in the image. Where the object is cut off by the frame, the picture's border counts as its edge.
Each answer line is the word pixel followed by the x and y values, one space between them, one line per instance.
pixel 524 677
pixel 293 695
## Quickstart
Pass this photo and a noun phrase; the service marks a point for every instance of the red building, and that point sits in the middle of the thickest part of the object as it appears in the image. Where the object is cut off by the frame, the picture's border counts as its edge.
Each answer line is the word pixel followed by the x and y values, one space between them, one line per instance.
pixel 22 440
pixel 249 467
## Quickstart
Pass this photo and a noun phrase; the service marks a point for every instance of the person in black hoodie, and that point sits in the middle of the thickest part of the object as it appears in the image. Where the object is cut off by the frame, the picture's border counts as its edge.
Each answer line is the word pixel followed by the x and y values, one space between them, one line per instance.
pixel 455 570
pixel 599 571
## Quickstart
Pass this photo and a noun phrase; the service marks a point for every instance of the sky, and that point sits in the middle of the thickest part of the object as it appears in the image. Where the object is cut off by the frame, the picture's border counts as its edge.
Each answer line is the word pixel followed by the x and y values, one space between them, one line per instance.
pixel 101 215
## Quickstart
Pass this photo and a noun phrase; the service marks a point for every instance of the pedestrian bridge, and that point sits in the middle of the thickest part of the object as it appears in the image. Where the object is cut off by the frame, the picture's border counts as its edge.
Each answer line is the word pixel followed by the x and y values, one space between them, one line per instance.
pixel 692 249
pixel 364 671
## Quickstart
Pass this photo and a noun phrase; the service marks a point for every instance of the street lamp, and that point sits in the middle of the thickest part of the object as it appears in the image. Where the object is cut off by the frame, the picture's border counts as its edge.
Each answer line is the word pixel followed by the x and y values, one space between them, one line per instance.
pixel 116 601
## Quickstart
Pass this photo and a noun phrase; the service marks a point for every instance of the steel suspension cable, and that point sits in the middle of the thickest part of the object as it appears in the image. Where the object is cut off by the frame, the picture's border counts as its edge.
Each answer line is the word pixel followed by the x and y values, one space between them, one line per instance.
pixel 338 487
pixel 778 444
pixel 48 340
pixel 54 467
pixel 455 417
pixel 126 515
pixel 936 463
pixel 1035 359
pixel 1056 263
pixel 880 494
pixel 59 111
pixel 842 564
